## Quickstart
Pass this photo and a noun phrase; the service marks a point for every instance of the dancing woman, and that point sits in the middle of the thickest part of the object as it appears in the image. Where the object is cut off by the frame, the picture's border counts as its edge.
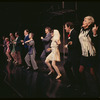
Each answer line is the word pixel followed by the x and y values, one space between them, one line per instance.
pixel 87 38
pixel 13 51
pixel 54 55
pixel 8 50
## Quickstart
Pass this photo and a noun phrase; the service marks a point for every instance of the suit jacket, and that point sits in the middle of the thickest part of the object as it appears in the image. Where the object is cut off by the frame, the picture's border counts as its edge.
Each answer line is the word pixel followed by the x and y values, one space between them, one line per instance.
pixel 31 47
pixel 26 39
pixel 74 50
pixel 18 44
pixel 47 41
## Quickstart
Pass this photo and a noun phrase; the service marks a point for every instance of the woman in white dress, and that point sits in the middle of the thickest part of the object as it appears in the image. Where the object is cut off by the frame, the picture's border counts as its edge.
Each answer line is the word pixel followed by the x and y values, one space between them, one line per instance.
pixel 55 54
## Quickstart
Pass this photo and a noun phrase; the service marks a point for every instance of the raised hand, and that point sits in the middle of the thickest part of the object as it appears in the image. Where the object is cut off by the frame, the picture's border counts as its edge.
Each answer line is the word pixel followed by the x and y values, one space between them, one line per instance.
pixel 94 29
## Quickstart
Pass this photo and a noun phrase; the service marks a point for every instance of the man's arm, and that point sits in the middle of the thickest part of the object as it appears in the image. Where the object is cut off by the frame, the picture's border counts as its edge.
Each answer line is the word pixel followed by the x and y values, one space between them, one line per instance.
pixel 47 38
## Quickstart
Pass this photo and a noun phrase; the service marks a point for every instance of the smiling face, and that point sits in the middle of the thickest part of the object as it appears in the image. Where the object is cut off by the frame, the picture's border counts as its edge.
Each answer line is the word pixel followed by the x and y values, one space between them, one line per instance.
pixel 86 23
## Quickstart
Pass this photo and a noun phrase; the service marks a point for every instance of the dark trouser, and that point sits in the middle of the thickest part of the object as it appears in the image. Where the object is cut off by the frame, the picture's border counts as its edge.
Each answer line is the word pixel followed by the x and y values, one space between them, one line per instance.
pixel 72 71
pixel 23 54
pixel 43 57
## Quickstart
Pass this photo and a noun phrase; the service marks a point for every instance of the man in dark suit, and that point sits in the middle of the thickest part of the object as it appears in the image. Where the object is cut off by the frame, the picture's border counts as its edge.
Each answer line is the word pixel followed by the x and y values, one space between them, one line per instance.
pixel 25 49
pixel 18 48
pixel 74 51
pixel 46 41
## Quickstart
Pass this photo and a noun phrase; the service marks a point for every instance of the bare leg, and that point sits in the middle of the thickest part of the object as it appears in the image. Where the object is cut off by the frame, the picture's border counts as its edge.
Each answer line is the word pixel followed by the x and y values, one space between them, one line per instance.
pixel 48 64
pixel 9 58
pixel 19 57
pixel 83 82
pixel 56 69
pixel 93 73
pixel 13 54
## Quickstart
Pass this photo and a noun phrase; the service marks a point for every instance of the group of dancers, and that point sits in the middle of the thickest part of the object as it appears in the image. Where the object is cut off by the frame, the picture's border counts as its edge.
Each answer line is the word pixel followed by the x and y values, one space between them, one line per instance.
pixel 81 49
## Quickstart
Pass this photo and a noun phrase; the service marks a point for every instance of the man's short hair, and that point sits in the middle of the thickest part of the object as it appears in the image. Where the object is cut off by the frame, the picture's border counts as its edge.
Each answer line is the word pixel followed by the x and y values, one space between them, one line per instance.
pixel 26 30
pixel 69 24
pixel 49 29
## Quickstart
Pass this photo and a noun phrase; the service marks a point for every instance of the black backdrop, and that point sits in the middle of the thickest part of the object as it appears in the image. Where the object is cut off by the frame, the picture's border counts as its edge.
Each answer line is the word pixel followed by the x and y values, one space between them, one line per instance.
pixel 35 16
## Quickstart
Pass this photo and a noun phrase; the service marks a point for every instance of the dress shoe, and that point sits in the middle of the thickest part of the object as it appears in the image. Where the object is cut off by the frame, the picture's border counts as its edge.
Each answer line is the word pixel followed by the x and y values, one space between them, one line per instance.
pixel 28 68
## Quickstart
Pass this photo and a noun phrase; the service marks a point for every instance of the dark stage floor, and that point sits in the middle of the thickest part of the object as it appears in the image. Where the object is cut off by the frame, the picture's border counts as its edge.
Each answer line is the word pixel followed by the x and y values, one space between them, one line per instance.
pixel 17 82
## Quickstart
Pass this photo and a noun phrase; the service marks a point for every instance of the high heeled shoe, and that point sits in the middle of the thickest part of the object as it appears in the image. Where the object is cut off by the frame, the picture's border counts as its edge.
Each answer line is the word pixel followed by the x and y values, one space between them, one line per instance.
pixel 50 72
pixel 58 76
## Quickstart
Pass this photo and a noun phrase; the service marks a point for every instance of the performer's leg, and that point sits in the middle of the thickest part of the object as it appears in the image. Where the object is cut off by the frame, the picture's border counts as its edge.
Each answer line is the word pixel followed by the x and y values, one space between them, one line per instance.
pixel 19 57
pixel 15 57
pixel 83 82
pixel 43 58
pixel 8 55
pixel 27 60
pixel 56 69
pixel 34 65
pixel 69 73
pixel 49 65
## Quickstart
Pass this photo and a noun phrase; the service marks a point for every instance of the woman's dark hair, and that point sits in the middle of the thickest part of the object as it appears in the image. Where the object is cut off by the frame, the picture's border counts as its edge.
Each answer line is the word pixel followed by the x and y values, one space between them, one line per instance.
pixel 69 24
pixel 49 29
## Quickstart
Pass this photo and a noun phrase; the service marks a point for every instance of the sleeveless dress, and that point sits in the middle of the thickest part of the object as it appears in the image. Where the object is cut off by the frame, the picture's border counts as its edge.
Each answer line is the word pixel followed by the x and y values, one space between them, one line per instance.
pixel 55 54
pixel 13 50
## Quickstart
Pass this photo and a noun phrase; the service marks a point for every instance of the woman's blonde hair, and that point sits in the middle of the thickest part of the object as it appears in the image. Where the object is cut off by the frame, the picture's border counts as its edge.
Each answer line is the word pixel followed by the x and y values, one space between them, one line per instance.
pixel 56 36
pixel 90 19
pixel 7 38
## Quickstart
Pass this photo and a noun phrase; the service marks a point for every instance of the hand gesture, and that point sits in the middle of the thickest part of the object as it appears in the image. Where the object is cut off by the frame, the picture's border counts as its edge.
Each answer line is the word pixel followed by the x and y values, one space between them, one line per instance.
pixel 49 49
pixel 41 37
pixel 65 46
pixel 14 42
pixel 94 29
pixel 70 43
pixel 22 41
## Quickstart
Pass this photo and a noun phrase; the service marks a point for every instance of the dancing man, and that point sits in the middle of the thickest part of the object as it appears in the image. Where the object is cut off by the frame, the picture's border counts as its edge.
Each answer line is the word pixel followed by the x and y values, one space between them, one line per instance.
pixel 46 41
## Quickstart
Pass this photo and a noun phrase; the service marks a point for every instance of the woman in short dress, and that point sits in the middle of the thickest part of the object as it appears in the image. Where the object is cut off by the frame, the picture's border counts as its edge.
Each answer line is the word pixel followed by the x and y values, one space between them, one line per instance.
pixel 54 55
pixel 8 49
pixel 88 38
pixel 13 51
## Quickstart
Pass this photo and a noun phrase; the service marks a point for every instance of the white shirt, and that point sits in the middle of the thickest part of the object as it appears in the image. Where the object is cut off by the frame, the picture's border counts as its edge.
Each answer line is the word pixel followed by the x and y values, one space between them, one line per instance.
pixel 71 30
pixel 16 38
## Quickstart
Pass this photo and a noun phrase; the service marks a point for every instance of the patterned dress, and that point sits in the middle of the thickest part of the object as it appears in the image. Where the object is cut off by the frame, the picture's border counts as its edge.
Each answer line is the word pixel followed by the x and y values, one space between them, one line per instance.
pixel 55 54
pixel 13 50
